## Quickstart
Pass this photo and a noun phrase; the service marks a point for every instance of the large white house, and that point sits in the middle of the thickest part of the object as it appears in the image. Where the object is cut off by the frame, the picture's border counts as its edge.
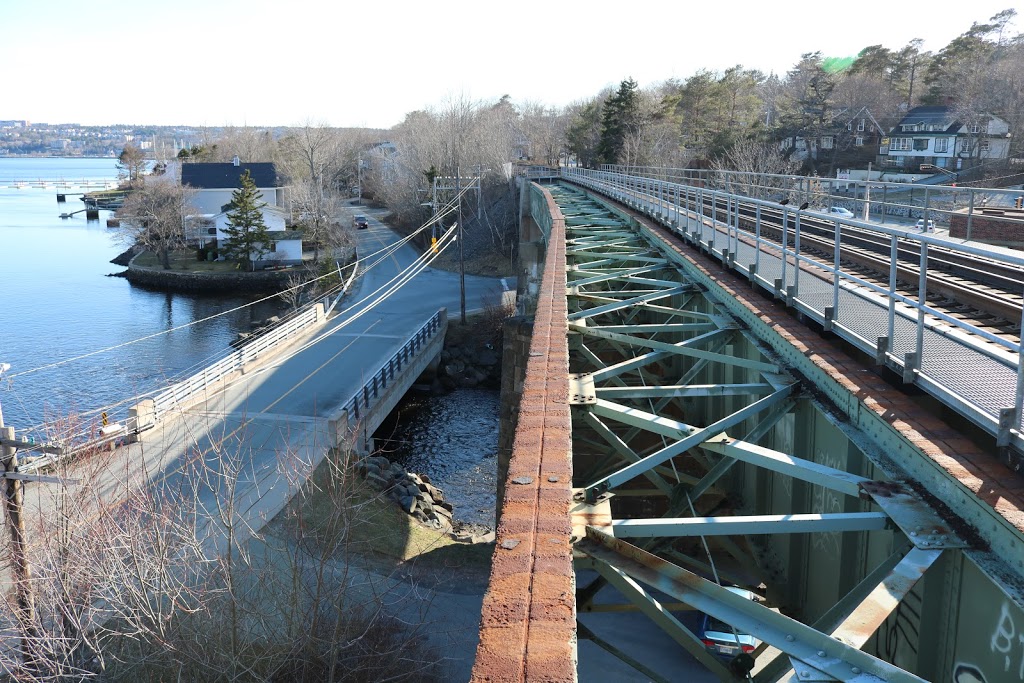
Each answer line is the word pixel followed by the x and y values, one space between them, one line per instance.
pixel 936 136
pixel 214 185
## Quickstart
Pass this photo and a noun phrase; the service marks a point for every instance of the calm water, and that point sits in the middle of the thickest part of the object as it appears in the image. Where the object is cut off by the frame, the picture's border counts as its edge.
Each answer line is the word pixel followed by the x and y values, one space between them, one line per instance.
pixel 56 303
pixel 453 439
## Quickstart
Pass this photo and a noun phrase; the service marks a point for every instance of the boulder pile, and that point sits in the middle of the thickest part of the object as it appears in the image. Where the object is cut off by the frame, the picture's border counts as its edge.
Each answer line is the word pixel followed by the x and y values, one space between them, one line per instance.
pixel 469 365
pixel 412 492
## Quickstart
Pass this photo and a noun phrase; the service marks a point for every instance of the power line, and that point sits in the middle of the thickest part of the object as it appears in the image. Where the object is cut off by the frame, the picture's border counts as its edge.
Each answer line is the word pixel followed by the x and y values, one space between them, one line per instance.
pixel 389 249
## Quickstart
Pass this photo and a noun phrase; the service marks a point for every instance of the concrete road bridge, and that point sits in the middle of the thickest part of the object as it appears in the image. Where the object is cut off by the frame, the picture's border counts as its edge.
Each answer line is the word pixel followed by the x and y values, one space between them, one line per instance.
pixel 694 406
pixel 266 414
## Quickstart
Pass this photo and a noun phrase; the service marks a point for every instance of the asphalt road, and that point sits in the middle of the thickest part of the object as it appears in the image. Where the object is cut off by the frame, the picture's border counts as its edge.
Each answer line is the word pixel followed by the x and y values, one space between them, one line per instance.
pixel 364 335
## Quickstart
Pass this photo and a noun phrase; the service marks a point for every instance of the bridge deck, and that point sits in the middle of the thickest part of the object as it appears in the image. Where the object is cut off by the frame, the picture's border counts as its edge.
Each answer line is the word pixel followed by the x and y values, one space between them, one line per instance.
pixel 882 435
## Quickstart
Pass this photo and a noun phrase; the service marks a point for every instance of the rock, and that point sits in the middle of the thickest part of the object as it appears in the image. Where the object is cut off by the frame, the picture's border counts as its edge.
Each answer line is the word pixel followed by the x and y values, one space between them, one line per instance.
pixel 446 506
pixel 408 504
pixel 379 461
pixel 487 357
pixel 424 478
pixel 377 481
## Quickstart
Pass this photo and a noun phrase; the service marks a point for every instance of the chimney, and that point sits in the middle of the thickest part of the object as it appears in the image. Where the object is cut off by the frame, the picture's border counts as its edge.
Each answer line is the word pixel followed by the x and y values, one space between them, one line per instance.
pixel 236 161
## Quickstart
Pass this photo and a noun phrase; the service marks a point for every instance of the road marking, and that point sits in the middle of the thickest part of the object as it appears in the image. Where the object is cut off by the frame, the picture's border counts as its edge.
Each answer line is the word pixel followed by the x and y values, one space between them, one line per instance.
pixel 307 377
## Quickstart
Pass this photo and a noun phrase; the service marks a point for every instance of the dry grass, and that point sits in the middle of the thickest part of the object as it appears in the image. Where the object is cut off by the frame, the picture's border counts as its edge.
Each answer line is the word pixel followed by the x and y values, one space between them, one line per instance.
pixel 185 261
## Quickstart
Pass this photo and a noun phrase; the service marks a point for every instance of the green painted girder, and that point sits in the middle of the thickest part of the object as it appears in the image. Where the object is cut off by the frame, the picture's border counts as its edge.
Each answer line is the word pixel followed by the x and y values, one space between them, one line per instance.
pixel 682 348
pixel 750 525
pixel 588 221
pixel 805 470
pixel 607 294
pixel 768 421
pixel 623 450
pixel 607 239
pixel 590 313
pixel 635 362
pixel 687 391
pixel 622 275
pixel 619 257
pixel 694 438
pixel 656 328
pixel 817 650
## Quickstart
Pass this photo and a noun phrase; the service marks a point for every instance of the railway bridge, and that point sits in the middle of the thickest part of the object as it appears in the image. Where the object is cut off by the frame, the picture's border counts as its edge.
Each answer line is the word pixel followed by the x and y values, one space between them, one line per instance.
pixel 702 402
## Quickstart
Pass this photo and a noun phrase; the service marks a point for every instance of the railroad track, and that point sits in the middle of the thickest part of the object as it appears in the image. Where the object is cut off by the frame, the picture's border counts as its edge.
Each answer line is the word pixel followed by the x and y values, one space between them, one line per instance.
pixel 984 293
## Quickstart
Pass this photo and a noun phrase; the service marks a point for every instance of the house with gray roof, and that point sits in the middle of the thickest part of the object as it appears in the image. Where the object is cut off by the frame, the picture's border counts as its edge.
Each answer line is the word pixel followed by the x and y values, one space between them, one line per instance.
pixel 215 183
pixel 938 136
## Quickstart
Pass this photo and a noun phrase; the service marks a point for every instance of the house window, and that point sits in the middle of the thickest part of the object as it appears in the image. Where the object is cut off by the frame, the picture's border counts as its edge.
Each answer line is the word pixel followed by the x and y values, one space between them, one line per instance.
pixel 849 126
pixel 859 141
pixel 860 125
pixel 900 144
pixel 983 145
pixel 920 144
pixel 826 142
pixel 211 231
pixel 273 247
pixel 941 145
pixel 975 128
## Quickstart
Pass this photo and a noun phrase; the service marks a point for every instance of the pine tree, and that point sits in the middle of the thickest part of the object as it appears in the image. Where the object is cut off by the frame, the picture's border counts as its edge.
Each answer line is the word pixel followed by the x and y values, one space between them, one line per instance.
pixel 248 238
pixel 618 116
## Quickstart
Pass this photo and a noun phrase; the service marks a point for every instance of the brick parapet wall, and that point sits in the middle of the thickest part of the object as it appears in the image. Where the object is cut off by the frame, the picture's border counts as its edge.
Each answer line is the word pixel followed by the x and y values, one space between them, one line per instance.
pixel 528 621
pixel 1005 228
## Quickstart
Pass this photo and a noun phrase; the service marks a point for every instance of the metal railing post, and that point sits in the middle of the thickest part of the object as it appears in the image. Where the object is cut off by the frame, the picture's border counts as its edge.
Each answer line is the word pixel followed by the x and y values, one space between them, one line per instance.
pixel 796 259
pixel 785 243
pixel 757 239
pixel 835 275
pixel 893 255
pixel 922 295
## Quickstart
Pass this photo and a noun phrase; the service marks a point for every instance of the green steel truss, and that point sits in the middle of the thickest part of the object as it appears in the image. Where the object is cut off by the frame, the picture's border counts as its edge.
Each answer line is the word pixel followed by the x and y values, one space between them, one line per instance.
pixel 710 452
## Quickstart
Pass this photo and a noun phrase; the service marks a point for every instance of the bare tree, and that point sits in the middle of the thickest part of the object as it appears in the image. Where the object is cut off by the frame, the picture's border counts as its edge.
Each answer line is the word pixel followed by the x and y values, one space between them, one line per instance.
pixel 754 162
pixel 153 217
pixel 145 577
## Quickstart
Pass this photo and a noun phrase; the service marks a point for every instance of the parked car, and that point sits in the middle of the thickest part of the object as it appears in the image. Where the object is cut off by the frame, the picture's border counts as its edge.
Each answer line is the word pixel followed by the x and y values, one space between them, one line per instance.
pixel 360 223
pixel 920 224
pixel 841 212
pixel 719 637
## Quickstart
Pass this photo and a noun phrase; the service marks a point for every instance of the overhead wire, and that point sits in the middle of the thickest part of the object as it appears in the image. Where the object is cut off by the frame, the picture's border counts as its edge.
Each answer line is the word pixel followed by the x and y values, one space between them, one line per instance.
pixel 381 255
pixel 386 250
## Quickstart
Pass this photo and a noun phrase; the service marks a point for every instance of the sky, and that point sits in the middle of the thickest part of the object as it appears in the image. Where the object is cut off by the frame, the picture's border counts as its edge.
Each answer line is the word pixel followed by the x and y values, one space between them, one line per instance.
pixel 368 63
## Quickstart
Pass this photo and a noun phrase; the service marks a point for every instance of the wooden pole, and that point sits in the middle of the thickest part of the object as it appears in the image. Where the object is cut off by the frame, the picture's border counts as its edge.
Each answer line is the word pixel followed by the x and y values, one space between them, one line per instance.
pixel 14 498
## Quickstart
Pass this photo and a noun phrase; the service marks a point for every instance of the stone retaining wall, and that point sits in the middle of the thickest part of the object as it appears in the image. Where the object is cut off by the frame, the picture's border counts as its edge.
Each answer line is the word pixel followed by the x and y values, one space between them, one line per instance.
pixel 240 281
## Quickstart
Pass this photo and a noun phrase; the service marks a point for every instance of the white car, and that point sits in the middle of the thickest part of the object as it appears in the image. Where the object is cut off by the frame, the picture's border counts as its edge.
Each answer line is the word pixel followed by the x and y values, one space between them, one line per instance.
pixel 920 224
pixel 721 639
pixel 841 212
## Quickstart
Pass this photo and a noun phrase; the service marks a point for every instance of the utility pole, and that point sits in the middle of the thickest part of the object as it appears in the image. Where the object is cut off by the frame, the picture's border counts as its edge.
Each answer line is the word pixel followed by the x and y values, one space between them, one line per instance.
pixel 14 497
pixel 462 249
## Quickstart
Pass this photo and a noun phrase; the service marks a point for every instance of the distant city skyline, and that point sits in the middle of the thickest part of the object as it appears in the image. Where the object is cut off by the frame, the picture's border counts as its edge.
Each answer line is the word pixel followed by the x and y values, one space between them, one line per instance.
pixel 233 63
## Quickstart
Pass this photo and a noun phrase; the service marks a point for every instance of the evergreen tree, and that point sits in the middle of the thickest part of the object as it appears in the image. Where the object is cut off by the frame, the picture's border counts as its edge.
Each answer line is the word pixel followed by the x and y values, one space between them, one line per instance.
pixel 248 238
pixel 618 117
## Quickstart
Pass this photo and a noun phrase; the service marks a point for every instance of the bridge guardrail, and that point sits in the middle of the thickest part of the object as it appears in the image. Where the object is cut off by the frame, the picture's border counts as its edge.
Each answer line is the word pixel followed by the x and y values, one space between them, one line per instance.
pixel 997 412
pixel 249 352
pixel 379 381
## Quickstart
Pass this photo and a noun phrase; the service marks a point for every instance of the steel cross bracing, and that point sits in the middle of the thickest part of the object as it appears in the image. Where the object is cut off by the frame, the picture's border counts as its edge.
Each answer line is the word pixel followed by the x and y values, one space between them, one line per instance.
pixel 677 412
pixel 977 373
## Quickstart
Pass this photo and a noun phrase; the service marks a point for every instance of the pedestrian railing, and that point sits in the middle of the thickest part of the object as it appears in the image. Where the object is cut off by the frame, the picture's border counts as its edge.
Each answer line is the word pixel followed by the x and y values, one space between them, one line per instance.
pixel 976 372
